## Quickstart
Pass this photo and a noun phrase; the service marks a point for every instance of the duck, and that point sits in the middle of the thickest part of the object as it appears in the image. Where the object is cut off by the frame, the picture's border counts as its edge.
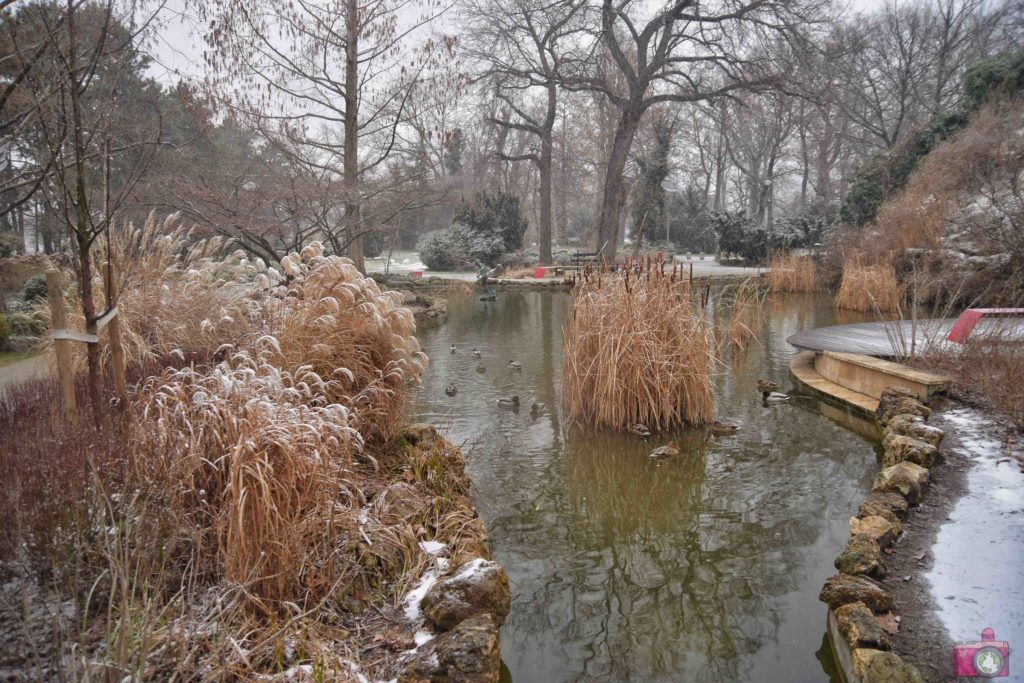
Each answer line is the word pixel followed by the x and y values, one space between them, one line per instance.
pixel 481 368
pixel 765 386
pixel 510 402
pixel 515 365
pixel 453 349
pixel 452 389
pixel 536 409
pixel 638 430
pixel 669 450
pixel 775 397
pixel 719 428
pixel 476 353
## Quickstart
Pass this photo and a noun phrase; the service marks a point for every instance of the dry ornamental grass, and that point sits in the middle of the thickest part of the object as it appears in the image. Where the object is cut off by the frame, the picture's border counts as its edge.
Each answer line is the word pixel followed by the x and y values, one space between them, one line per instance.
pixel 637 351
pixel 243 488
pixel 792 273
pixel 747 314
pixel 869 287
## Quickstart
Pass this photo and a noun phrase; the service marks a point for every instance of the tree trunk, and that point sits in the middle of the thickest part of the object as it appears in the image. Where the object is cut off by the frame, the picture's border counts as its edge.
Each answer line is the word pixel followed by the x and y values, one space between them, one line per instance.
pixel 547 152
pixel 613 196
pixel 82 227
pixel 720 160
pixel 353 225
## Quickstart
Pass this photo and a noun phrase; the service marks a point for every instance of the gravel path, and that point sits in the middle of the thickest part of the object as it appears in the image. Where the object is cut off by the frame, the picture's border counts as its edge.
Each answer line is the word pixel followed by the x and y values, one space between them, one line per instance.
pixel 25 369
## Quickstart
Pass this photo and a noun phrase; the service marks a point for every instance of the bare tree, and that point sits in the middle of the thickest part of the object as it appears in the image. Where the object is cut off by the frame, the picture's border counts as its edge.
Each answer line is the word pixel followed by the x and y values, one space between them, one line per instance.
pixel 333 78
pixel 73 120
pixel 520 44
pixel 686 52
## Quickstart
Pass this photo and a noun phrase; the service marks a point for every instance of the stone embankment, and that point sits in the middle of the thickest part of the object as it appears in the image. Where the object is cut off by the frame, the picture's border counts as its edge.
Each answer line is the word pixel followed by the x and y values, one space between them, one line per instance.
pixel 861 611
pixel 459 605
pixel 427 311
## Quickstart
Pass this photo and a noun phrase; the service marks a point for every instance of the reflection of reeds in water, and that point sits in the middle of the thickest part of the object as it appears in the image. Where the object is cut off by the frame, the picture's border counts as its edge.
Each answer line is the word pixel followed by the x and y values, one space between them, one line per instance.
pixel 792 273
pixel 868 287
pixel 637 351
pixel 617 488
pixel 747 312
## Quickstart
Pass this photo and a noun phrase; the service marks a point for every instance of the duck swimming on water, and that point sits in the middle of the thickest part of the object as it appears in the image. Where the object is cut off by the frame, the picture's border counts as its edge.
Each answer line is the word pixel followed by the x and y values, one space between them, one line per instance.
pixel 775 397
pixel 452 389
pixel 476 353
pixel 511 401
pixel 765 386
pixel 667 451
pixel 453 349
pixel 719 428
pixel 638 430
pixel 515 365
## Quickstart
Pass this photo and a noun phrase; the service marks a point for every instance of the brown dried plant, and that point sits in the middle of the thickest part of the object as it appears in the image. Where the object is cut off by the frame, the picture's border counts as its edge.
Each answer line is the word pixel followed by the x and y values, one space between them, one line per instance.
pixel 792 273
pixel 637 351
pixel 869 287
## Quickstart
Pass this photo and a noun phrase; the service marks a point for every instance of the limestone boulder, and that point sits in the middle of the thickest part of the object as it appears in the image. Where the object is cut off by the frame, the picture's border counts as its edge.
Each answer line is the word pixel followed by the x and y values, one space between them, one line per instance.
pixel 887 504
pixel 887 667
pixel 861 556
pixel 843 589
pixel 906 478
pixel 879 529
pixel 469 653
pixel 901 406
pixel 898 448
pixel 478 587
pixel 887 403
pixel 915 426
pixel 862 658
pixel 420 434
pixel 859 628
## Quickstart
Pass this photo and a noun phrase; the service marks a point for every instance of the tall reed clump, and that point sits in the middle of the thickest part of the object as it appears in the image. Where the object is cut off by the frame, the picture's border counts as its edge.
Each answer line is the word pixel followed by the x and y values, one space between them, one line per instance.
pixel 747 313
pixel 792 273
pixel 637 351
pixel 869 287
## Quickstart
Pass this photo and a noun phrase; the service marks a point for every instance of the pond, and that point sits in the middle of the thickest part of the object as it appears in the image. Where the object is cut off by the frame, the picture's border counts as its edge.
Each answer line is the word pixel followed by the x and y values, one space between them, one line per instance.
pixel 704 567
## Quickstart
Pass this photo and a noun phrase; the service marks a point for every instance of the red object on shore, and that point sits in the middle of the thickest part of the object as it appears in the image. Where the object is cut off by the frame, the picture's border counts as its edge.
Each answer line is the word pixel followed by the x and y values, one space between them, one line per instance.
pixel 538 272
pixel 417 273
pixel 970 317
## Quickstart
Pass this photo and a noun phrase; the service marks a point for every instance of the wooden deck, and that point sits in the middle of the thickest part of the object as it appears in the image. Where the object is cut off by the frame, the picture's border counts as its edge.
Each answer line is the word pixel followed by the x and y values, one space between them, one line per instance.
pixel 897 338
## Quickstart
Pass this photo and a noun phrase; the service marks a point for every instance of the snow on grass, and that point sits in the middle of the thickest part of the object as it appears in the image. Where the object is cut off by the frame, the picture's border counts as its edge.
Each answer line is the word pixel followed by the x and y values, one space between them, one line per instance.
pixel 415 597
pixel 432 547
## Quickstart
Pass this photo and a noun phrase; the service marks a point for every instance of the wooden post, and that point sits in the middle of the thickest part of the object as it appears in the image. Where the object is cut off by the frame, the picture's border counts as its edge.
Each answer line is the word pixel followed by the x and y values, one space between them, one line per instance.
pixel 61 347
pixel 116 349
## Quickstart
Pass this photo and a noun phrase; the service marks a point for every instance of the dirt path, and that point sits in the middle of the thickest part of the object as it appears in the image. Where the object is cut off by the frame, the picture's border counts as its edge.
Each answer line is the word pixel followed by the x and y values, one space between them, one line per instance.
pixel 36 366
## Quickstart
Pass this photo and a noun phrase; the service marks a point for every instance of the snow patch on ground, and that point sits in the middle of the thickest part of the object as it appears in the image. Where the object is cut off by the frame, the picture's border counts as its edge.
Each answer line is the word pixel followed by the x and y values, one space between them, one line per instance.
pixel 414 599
pixel 978 568
pixel 471 568
pixel 432 547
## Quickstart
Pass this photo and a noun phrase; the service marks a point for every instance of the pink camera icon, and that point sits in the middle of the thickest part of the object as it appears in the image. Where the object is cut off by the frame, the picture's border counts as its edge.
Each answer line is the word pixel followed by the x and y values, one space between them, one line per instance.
pixel 986 658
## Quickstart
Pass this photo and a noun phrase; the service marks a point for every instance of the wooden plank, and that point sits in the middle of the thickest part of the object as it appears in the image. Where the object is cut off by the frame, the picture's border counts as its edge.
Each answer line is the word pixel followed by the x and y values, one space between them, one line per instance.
pixel 102 321
pixel 75 335
pixel 58 318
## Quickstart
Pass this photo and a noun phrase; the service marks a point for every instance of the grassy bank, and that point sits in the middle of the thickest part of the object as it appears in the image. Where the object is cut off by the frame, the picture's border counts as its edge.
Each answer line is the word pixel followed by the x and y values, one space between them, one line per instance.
pixel 256 506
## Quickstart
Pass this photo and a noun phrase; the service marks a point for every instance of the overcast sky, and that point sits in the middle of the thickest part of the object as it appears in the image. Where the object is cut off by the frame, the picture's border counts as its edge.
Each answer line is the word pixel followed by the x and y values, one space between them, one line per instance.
pixel 177 49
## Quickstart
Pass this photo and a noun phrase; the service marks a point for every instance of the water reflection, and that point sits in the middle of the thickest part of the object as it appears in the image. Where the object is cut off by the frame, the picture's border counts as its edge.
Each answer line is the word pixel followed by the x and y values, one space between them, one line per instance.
pixel 704 567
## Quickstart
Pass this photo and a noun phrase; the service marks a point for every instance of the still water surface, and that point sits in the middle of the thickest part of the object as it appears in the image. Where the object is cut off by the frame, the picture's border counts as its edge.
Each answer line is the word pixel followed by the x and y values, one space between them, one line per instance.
pixel 702 568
